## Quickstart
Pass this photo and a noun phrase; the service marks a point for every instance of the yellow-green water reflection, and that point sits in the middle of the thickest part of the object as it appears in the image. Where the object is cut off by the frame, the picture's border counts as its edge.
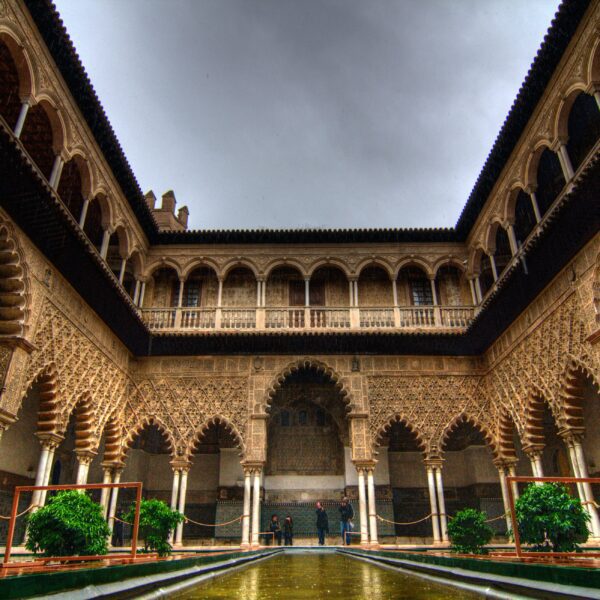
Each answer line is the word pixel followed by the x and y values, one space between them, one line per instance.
pixel 315 576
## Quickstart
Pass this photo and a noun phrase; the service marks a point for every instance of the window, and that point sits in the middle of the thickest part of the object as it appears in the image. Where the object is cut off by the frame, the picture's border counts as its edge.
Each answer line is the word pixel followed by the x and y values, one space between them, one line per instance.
pixel 302 417
pixel 420 288
pixel 285 418
pixel 192 293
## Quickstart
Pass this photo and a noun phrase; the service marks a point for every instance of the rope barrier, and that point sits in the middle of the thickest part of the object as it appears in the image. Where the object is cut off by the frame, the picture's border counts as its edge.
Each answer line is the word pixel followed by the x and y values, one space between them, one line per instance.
pixel 30 507
pixel 502 516
pixel 407 523
pixel 120 520
pixel 592 502
pixel 188 520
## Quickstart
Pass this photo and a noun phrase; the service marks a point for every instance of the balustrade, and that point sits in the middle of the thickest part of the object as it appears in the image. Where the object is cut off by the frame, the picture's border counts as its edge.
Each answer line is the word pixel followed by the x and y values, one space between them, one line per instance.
pixel 291 317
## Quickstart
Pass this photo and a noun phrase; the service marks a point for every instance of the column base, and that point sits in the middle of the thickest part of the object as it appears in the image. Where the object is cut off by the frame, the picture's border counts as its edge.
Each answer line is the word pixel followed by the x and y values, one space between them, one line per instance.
pixel 373 546
pixel 245 547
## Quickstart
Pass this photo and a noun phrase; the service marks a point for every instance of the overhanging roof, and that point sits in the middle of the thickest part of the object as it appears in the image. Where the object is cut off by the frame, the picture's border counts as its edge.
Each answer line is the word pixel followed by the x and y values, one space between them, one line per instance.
pixel 34 207
pixel 566 21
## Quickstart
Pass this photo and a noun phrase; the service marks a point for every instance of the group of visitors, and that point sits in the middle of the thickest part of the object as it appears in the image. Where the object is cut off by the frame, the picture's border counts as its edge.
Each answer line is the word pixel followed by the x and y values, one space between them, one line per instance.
pixel 287 532
pixel 346 522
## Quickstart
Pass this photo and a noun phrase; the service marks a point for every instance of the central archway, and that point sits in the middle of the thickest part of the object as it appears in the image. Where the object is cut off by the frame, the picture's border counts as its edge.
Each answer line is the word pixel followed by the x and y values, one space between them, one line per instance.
pixel 308 449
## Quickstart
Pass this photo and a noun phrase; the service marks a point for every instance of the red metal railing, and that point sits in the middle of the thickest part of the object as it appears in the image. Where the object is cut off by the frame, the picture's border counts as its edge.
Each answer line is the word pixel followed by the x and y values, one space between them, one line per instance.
pixel 520 478
pixel 88 486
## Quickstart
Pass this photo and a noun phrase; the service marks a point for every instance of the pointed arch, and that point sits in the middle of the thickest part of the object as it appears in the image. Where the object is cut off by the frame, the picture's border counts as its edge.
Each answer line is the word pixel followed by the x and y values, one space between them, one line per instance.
pixel 506 432
pixel 464 418
pixel 48 414
pixel 221 420
pixel 536 406
pixel 399 418
pixel 13 284
pixel 138 428
pixel 306 363
pixel 113 441
pixel 83 411
pixel 572 394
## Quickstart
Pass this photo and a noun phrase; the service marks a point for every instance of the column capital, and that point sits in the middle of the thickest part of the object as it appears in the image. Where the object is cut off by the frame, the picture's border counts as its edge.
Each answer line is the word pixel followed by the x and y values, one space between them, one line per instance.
pixel 533 450
pixel 571 435
pixel 181 464
pixel 51 441
pixel 504 463
pixel 432 462
pixel 365 466
pixel 85 457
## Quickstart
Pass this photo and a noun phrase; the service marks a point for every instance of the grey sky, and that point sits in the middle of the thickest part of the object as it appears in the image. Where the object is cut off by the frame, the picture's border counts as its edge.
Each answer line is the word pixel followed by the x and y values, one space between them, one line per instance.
pixel 296 113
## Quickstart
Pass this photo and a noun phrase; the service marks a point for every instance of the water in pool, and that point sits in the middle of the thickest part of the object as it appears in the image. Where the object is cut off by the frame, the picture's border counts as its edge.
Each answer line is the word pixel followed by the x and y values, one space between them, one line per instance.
pixel 315 576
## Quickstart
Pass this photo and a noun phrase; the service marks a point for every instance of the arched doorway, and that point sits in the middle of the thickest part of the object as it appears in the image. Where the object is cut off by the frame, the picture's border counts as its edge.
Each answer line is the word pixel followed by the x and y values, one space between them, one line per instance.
pixel 408 483
pixel 308 452
pixel 470 477
pixel 215 486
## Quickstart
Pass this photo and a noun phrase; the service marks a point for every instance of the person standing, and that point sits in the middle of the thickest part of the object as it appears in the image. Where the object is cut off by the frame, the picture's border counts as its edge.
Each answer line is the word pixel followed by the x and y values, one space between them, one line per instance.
pixel 322 523
pixel 346 516
pixel 288 531
pixel 275 529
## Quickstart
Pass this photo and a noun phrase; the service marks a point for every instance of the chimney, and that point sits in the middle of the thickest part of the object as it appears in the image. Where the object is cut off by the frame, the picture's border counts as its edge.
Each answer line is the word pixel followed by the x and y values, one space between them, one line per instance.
pixel 150 199
pixel 182 216
pixel 168 202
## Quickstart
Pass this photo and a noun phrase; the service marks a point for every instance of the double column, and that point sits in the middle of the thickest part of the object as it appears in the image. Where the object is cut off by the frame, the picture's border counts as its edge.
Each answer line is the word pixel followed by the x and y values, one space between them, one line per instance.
pixel 507 469
pixel 46 460
pixel 178 494
pixel 584 489
pixel 251 507
pixel 367 505
pixel 109 497
pixel 435 484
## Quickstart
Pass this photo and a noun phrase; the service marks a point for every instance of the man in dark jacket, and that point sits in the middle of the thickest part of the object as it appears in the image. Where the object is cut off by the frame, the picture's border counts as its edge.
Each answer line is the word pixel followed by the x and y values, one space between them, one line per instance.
pixel 322 523
pixel 346 516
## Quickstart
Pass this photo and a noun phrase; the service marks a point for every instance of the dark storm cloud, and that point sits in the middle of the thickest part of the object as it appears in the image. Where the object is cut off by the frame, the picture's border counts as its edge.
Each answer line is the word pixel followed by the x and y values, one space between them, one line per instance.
pixel 308 113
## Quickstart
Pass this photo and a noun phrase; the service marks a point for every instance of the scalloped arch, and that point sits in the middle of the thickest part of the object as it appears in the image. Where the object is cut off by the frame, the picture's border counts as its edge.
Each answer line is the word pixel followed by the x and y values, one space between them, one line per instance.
pixel 216 420
pixel 307 363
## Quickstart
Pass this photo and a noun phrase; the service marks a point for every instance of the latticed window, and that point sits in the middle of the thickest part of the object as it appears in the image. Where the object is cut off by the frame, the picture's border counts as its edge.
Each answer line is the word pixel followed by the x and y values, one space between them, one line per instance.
pixel 303 418
pixel 285 418
pixel 420 288
pixel 192 293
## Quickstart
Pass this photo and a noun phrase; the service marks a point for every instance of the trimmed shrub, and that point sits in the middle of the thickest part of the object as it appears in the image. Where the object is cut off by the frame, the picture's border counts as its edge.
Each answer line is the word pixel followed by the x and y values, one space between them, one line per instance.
pixel 551 519
pixel 469 532
pixel 157 520
pixel 71 524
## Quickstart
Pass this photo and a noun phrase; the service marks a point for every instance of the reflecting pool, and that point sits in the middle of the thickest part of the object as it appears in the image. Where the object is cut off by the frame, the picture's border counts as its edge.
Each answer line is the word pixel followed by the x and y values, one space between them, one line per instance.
pixel 324 575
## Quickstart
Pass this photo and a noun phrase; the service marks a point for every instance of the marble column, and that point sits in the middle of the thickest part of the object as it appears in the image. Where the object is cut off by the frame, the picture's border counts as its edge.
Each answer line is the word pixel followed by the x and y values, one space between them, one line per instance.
pixel 586 487
pixel 174 497
pixel 56 172
pixel 105 241
pixel 256 508
pixel 372 507
pixel 246 508
pixel 441 503
pixel 47 472
pixel 565 162
pixel 362 507
pixel 112 511
pixel 22 115
pixel 40 474
pixel 505 500
pixel 105 493
pixel 84 210
pixel 181 505
pixel 435 525
pixel 83 469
